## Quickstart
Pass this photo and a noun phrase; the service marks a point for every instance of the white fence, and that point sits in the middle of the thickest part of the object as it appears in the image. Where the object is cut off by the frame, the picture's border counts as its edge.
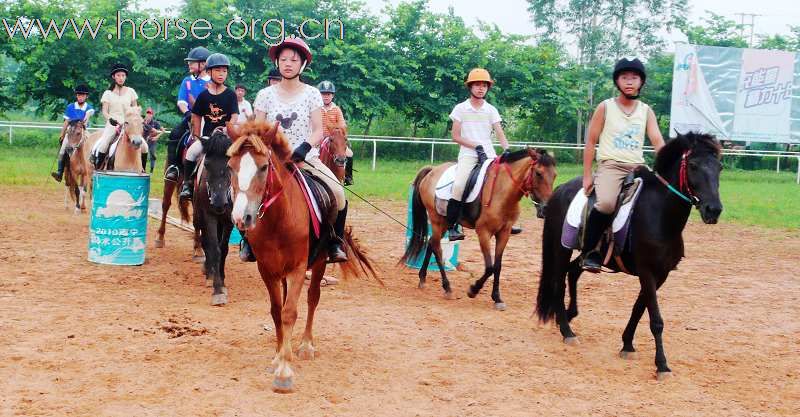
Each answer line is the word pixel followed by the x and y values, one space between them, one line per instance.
pixel 433 142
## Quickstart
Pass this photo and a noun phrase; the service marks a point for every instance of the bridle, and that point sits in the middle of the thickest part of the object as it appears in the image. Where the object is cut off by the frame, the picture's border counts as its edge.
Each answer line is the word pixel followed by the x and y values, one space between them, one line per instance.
pixel 525 186
pixel 684 190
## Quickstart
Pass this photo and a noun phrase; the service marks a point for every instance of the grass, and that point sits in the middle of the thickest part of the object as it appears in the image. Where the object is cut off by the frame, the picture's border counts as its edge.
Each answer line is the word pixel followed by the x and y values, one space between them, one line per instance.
pixel 760 198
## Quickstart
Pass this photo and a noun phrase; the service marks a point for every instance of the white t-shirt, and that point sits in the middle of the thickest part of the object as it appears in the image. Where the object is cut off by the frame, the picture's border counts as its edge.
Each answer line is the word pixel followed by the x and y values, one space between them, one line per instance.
pixel 245 110
pixel 294 116
pixel 118 104
pixel 476 126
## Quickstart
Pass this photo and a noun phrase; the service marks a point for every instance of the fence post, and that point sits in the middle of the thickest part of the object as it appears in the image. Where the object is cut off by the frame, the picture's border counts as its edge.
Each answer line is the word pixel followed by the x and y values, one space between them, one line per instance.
pixel 374 153
pixel 10 134
pixel 432 145
pixel 778 168
pixel 798 169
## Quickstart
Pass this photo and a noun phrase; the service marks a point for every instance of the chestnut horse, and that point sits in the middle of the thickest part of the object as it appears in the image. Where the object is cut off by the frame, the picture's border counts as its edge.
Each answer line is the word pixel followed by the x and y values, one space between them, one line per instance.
pixel 333 151
pixel 78 172
pixel 270 205
pixel 128 154
pixel 525 172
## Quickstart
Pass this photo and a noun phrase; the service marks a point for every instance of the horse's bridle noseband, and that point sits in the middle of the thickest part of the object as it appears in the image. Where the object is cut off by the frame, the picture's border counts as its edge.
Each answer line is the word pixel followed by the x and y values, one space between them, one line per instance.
pixel 683 182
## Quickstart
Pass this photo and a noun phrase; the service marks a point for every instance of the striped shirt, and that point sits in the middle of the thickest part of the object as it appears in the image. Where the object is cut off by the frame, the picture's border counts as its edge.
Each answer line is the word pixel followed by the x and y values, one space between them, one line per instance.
pixel 332 117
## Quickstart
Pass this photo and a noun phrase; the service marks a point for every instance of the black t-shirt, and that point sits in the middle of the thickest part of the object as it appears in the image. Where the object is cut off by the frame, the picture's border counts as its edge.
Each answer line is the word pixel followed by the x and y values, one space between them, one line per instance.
pixel 216 110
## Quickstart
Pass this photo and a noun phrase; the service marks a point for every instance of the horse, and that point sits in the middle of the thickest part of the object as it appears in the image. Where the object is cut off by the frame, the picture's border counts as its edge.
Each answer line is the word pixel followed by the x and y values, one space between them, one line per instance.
pixel 270 205
pixel 212 212
pixel 333 151
pixel 687 171
pixel 524 172
pixel 128 154
pixel 78 172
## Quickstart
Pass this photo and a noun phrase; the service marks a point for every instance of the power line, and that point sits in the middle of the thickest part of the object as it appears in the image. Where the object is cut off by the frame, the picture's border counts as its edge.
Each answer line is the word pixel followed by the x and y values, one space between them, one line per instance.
pixel 752 25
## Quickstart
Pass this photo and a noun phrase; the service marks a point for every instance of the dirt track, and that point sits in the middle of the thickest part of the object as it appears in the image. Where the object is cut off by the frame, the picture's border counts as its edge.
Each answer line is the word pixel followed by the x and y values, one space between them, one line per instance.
pixel 84 339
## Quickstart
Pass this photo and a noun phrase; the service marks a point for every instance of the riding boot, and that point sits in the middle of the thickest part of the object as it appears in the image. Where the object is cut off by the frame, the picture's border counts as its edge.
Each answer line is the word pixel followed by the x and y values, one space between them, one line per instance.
pixel 336 251
pixel 62 162
pixel 187 189
pixel 596 225
pixel 99 159
pixel 245 251
pixel 144 162
pixel 348 171
pixel 453 214
pixel 515 230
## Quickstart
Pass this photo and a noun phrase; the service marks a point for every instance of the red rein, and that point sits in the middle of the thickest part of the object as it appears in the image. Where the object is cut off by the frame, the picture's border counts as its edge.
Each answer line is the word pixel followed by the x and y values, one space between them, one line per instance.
pixel 526 187
pixel 683 175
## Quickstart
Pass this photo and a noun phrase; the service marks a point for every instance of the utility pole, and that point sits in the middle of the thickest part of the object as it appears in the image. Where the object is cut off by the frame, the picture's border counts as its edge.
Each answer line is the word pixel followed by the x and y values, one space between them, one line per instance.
pixel 752 25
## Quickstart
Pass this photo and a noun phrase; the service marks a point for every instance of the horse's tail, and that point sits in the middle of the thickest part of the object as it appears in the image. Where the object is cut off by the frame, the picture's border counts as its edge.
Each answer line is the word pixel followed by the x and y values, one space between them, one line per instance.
pixel 548 296
pixel 419 220
pixel 358 263
pixel 183 207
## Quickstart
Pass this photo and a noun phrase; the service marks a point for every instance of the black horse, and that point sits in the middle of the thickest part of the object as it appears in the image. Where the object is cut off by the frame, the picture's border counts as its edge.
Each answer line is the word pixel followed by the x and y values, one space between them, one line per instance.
pixel 686 173
pixel 212 212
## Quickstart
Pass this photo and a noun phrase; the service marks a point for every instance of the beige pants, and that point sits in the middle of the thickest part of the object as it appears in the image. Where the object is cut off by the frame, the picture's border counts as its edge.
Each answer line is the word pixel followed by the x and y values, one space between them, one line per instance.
pixel 319 170
pixel 109 132
pixel 463 169
pixel 608 182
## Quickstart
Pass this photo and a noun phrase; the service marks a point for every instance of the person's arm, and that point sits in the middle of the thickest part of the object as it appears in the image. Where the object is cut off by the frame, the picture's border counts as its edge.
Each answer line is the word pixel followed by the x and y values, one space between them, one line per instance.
pixel 63 130
pixel 105 111
pixel 316 128
pixel 457 138
pixel 501 135
pixel 653 132
pixel 183 97
pixel 595 127
pixel 196 120
pixel 232 126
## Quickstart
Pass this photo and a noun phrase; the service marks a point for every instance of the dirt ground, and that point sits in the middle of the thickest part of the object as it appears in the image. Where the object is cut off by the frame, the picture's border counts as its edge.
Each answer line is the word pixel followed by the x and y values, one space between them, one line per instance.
pixel 90 340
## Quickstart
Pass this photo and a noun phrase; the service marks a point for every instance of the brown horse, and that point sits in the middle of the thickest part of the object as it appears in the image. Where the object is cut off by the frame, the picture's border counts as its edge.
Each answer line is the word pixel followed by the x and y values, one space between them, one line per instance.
pixel 128 154
pixel 78 173
pixel 525 172
pixel 270 205
pixel 333 151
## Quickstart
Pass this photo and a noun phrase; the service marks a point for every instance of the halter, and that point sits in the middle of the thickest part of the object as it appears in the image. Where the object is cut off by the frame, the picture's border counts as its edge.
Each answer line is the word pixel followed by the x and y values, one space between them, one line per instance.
pixel 683 182
pixel 270 195
pixel 525 186
pixel 80 142
pixel 325 151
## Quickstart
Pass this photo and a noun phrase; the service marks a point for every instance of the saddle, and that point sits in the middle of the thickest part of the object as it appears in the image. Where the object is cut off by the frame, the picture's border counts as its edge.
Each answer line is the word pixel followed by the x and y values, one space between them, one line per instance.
pixel 616 238
pixel 473 190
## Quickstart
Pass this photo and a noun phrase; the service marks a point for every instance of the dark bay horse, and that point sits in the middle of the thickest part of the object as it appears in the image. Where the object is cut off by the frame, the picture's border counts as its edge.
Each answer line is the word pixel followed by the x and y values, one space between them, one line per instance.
pixel 212 212
pixel 687 173
pixel 78 172
pixel 270 205
pixel 525 172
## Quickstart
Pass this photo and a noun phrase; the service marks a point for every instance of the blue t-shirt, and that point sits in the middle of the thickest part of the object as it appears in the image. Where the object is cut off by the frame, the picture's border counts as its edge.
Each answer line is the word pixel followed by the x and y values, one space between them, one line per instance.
pixel 77 112
pixel 191 87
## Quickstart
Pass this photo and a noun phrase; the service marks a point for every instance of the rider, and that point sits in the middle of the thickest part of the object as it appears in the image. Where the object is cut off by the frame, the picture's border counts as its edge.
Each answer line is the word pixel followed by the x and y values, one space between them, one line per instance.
pixel 117 100
pixel 620 124
pixel 473 122
pixel 151 131
pixel 303 128
pixel 81 111
pixel 245 108
pixel 215 108
pixel 332 117
pixel 191 87
pixel 274 77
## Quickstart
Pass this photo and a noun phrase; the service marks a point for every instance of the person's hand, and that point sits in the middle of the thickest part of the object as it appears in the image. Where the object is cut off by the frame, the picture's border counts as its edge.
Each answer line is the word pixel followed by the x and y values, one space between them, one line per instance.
pixel 481 154
pixel 299 154
pixel 112 121
pixel 588 183
pixel 187 114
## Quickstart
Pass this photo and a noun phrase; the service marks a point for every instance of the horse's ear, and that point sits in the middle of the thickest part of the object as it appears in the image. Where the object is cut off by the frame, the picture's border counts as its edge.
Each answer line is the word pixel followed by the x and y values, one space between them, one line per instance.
pixel 273 130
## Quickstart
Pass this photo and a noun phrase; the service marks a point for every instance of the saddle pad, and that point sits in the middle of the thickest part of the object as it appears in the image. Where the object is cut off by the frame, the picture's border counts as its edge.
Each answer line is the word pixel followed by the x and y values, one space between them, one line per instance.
pixel 444 187
pixel 574 218
pixel 310 193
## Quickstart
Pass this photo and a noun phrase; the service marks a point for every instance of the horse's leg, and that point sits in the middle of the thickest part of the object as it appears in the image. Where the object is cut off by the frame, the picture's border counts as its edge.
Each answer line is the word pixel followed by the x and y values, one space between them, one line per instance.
pixel 574 273
pixel 485 241
pixel 77 193
pixel 283 371
pixel 307 350
pixel 435 243
pixel 225 233
pixel 166 202
pixel 501 239
pixel 630 329
pixel 214 260
pixel 276 305
pixel 560 266
pixel 423 270
pixel 197 255
pixel 649 288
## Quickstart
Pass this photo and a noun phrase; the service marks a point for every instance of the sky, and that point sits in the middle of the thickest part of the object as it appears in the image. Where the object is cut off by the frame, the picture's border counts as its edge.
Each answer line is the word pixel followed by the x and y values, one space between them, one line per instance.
pixel 512 16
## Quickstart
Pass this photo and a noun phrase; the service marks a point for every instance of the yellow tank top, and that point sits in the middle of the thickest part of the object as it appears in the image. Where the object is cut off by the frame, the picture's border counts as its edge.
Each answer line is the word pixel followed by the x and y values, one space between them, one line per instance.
pixel 622 138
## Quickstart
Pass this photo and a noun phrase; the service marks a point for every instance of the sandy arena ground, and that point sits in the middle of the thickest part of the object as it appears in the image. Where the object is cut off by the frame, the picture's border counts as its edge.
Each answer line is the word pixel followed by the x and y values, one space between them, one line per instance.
pixel 90 340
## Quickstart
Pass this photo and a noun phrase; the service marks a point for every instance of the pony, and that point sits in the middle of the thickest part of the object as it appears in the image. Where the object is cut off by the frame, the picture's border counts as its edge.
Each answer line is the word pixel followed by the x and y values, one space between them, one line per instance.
pixel 687 171
pixel 128 154
pixel 333 151
pixel 78 172
pixel 524 172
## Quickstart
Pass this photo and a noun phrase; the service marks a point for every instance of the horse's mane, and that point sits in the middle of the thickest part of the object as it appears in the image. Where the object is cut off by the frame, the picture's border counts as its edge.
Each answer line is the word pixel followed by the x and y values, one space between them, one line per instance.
pixel 698 143
pixel 260 135
pixel 217 144
pixel 545 159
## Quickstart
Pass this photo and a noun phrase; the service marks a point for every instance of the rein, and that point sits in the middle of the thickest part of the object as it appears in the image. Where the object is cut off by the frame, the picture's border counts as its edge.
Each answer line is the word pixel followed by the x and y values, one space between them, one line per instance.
pixel 527 181
pixel 270 195
pixel 683 182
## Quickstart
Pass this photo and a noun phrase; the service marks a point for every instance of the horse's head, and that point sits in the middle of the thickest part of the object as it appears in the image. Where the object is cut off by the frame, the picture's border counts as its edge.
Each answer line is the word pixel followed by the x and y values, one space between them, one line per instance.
pixel 338 145
pixel 75 131
pixel 134 127
pixel 215 165
pixel 540 181
pixel 255 159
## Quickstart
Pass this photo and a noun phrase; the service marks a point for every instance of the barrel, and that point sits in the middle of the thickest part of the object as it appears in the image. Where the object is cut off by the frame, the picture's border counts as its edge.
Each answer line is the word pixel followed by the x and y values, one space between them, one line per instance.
pixel 236 237
pixel 118 223
pixel 449 249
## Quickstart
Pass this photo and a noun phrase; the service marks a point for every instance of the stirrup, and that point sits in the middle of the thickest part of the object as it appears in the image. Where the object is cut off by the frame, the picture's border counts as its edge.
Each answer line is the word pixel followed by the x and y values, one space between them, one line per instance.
pixel 590 264
pixel 454 234
pixel 172 169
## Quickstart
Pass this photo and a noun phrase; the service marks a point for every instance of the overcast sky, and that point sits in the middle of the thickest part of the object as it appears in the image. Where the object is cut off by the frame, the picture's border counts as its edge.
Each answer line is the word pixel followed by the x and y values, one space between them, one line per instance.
pixel 512 16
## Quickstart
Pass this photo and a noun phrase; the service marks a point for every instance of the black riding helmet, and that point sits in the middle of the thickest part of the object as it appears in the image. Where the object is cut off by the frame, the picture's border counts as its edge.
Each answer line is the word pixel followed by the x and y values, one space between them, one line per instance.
pixel 634 65
pixel 217 60
pixel 82 89
pixel 119 67
pixel 198 54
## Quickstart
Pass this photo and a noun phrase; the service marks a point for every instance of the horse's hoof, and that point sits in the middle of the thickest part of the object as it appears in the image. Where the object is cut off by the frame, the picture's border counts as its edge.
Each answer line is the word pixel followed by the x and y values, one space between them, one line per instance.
pixel 209 283
pixel 624 354
pixel 448 295
pixel 219 299
pixel 471 293
pixel 159 243
pixel 500 306
pixel 421 285
pixel 225 290
pixel 306 353
pixel 282 385
pixel 663 376
pixel 198 259
pixel 572 341
pixel 76 212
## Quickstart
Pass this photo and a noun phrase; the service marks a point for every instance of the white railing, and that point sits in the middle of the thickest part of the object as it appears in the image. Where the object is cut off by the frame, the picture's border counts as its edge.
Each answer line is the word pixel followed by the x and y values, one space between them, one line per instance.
pixel 433 142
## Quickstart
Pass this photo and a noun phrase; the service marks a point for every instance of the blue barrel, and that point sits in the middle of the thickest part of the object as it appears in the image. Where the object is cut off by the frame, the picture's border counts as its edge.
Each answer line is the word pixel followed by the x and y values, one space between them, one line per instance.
pixel 118 225
pixel 236 237
pixel 449 249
